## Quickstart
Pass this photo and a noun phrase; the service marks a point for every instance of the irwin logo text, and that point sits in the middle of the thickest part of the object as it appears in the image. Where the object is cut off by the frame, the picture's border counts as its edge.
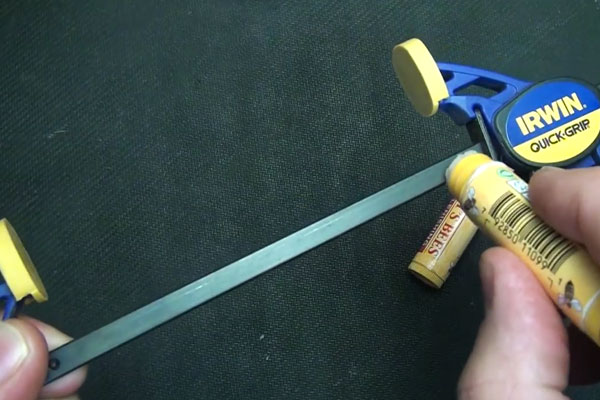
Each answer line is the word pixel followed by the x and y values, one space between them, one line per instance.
pixel 550 113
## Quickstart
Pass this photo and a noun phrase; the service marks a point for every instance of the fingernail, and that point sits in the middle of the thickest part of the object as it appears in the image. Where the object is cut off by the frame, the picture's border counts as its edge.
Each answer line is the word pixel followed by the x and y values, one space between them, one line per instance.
pixel 13 350
pixel 487 283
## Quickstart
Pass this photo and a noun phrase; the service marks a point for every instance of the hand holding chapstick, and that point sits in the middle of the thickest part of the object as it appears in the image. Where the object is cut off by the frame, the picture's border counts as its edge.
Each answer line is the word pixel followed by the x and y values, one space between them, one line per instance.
pixel 523 349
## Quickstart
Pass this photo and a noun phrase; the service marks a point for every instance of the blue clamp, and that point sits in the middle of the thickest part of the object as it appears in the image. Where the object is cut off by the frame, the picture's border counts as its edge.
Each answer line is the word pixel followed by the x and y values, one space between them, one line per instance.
pixel 11 305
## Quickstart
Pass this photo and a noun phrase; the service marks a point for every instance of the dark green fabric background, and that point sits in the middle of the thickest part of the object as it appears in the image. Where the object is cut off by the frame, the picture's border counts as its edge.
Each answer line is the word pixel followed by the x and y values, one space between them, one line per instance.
pixel 144 144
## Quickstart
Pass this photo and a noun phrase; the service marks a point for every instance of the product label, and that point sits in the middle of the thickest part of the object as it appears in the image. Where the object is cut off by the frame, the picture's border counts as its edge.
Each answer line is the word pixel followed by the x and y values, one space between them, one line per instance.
pixel 444 245
pixel 441 233
pixel 553 122
pixel 496 199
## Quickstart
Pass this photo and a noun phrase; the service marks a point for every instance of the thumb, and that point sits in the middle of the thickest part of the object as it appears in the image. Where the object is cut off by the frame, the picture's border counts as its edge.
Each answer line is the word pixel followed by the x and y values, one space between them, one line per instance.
pixel 521 351
pixel 23 360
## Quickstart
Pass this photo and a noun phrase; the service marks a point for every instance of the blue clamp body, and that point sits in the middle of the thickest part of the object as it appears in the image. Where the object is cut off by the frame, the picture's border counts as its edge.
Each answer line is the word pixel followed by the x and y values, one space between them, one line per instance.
pixel 11 305
pixel 461 108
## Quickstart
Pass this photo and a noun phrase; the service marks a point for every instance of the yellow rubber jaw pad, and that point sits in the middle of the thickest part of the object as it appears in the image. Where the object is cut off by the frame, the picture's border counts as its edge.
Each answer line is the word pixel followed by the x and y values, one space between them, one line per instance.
pixel 419 75
pixel 17 268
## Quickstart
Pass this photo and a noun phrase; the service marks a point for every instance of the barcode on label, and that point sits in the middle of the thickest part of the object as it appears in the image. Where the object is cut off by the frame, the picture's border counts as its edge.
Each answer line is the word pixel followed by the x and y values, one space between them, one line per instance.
pixel 545 242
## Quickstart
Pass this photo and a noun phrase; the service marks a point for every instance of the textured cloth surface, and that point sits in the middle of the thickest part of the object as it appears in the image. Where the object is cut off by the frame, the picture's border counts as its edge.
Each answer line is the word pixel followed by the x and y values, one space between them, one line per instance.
pixel 144 144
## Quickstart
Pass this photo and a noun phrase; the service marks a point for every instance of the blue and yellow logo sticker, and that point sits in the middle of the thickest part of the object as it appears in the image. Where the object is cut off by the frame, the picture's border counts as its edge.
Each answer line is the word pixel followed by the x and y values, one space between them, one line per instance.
pixel 553 122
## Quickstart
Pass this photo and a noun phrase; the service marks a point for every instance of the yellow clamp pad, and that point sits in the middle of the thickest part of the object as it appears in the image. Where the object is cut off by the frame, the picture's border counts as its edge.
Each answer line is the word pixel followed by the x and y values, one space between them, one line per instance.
pixel 419 75
pixel 17 268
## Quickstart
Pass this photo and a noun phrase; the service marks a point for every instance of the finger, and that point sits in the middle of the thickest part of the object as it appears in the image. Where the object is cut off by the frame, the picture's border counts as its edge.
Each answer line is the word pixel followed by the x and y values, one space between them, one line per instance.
pixel 521 348
pixel 568 200
pixel 23 360
pixel 68 384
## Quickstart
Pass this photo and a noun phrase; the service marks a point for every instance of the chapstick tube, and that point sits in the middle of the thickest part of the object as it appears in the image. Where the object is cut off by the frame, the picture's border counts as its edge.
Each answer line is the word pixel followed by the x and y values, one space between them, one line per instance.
pixel 443 247
pixel 497 201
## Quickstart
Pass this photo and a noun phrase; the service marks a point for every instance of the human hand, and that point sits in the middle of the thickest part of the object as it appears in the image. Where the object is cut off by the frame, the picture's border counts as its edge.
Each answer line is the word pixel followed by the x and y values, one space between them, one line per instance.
pixel 523 350
pixel 24 346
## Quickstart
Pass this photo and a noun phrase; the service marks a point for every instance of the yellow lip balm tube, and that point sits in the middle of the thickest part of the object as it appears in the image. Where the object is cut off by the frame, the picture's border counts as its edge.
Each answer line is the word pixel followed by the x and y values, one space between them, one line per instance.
pixel 497 201
pixel 443 247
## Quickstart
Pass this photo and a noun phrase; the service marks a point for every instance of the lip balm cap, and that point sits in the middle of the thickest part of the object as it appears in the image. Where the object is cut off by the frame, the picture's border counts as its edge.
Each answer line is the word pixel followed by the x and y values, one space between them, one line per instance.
pixel 461 169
